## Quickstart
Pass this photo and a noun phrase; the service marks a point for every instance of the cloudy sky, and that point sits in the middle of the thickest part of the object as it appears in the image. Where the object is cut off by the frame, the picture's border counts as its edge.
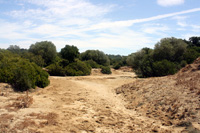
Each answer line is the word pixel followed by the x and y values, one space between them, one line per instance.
pixel 113 26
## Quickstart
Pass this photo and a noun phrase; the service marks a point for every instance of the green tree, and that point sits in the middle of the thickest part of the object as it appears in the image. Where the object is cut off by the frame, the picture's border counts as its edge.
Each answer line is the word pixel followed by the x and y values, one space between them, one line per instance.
pixel 45 49
pixel 97 56
pixel 14 49
pixel 171 49
pixel 69 53
pixel 194 41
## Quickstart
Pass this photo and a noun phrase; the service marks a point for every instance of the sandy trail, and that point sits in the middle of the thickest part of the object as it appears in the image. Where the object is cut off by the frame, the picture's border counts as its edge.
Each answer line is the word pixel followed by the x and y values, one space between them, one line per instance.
pixel 90 104
pixel 82 105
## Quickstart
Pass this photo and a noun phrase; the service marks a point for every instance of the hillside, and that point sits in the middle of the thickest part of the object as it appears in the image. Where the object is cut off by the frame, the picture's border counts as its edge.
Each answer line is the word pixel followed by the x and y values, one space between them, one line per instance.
pixel 174 100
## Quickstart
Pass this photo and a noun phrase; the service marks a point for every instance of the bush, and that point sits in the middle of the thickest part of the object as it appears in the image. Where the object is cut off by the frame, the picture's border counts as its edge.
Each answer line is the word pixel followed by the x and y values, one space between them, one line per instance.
pixel 77 68
pixel 164 67
pixel 92 64
pixel 117 66
pixel 55 70
pixel 97 56
pixel 22 74
pixel 106 70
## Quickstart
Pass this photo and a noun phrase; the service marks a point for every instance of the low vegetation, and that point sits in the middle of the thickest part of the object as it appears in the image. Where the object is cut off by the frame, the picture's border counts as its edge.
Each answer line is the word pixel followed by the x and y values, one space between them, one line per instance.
pixel 167 57
pixel 21 73
pixel 106 70
pixel 22 68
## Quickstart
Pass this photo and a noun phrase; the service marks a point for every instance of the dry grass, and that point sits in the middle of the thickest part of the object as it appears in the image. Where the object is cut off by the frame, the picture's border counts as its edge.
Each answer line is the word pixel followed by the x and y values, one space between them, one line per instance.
pixel 22 102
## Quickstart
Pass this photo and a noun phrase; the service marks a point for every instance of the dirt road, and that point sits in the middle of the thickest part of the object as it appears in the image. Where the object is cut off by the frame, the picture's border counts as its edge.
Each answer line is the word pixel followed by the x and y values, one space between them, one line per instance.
pixel 83 105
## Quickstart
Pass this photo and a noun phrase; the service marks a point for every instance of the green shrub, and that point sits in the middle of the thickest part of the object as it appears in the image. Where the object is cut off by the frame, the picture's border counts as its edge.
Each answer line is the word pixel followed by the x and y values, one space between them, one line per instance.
pixel 42 77
pixel 164 67
pixel 55 70
pixel 98 56
pixel 22 74
pixel 106 70
pixel 117 66
pixel 92 64
pixel 77 68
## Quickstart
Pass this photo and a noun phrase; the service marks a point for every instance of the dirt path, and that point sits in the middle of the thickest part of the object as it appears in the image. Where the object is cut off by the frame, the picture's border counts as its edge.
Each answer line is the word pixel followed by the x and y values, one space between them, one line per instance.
pixel 90 104
pixel 83 105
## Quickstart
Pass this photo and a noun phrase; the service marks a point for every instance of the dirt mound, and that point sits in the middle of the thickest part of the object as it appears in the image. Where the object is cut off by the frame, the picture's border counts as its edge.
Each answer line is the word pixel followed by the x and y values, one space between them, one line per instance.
pixel 175 100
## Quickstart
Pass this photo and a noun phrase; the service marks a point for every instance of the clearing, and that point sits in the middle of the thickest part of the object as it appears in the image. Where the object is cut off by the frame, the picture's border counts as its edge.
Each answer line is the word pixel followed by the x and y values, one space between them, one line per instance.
pixel 77 105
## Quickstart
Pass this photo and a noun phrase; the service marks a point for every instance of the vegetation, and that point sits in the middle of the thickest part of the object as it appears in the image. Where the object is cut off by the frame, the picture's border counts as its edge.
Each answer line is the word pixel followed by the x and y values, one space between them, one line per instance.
pixel 45 49
pixel 117 61
pixel 22 68
pixel 70 53
pixel 78 68
pixel 92 64
pixel 106 70
pixel 98 56
pixel 168 56
pixel 22 74
pixel 55 70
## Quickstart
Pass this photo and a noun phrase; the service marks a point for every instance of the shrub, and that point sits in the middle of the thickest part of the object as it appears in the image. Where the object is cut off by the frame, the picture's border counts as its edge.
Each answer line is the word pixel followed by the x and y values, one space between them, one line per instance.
pixel 117 66
pixel 77 68
pixel 97 56
pixel 42 77
pixel 92 64
pixel 164 67
pixel 22 74
pixel 106 70
pixel 55 70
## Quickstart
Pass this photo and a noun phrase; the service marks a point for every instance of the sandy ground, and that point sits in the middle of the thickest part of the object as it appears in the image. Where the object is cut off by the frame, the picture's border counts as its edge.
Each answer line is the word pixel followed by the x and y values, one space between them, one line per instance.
pixel 76 105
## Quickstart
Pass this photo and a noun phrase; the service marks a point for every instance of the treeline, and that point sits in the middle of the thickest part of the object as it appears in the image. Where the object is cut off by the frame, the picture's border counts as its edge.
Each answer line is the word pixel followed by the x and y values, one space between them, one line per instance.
pixel 167 57
pixel 27 68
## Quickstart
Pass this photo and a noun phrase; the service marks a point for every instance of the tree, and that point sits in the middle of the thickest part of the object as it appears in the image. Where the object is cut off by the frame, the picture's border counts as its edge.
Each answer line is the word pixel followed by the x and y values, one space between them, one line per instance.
pixel 171 49
pixel 14 48
pixel 45 49
pixel 97 56
pixel 70 53
pixel 195 41
pixel 141 62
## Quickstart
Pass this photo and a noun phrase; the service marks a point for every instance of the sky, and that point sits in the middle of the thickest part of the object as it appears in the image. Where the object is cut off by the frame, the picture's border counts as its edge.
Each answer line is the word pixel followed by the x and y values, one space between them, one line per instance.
pixel 112 26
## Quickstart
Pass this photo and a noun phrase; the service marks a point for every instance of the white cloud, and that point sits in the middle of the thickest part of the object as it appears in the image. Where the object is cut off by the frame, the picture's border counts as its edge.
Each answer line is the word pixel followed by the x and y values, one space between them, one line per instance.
pixel 181 21
pixel 195 28
pixel 170 2
pixel 128 23
pixel 157 29
pixel 52 10
pixel 80 23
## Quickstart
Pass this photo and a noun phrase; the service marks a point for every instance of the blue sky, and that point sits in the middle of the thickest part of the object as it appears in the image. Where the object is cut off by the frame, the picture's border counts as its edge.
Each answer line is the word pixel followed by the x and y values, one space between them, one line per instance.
pixel 113 26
